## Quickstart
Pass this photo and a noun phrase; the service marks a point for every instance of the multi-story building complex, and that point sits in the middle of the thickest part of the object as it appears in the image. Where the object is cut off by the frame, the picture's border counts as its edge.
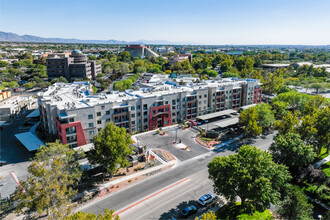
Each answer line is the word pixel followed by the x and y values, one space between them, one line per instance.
pixel 140 50
pixel 73 66
pixel 179 58
pixel 72 113
pixel 12 107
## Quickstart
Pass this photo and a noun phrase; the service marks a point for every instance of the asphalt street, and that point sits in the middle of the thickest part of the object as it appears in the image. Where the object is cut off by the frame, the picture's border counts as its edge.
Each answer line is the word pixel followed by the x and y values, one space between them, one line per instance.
pixel 194 168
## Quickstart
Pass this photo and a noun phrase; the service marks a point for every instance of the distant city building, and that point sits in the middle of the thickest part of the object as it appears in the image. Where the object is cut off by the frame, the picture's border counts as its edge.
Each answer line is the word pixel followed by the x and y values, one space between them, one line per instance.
pixel 73 66
pixel 179 58
pixel 139 50
pixel 70 112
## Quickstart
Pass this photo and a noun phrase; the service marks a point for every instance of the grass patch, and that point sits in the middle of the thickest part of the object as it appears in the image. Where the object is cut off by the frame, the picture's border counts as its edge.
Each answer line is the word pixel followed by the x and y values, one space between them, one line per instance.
pixel 323 153
pixel 234 211
pixel 326 168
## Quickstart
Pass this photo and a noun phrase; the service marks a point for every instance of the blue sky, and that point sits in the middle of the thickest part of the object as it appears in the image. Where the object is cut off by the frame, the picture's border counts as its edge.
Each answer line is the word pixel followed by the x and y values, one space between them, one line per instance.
pixel 200 21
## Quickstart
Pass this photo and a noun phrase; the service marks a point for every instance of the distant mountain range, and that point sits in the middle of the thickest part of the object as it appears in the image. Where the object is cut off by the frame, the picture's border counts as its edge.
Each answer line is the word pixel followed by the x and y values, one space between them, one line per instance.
pixel 5 36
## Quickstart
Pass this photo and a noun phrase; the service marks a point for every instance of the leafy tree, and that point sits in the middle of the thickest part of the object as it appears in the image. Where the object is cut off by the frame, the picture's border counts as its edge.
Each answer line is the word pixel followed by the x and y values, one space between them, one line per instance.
pixel 208 216
pixel 61 79
pixel 290 150
pixel 243 62
pixel 26 56
pixel 279 108
pixel 12 84
pixel 316 176
pixel 230 74
pixel 53 173
pixel 315 104
pixel 210 73
pixel 250 175
pixel 295 205
pixel 226 65
pixel 265 115
pixel 323 127
pixel 124 56
pixel 248 120
pixel 3 63
pixel 107 215
pixel 111 146
pixel 296 100
pixel 289 123
pixel 317 87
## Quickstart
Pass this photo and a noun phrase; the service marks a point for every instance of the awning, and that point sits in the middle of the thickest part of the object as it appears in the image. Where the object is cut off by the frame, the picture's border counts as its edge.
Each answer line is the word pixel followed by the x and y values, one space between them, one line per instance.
pixel 247 106
pixel 226 123
pixel 30 141
pixel 34 114
pixel 216 114
pixel 85 148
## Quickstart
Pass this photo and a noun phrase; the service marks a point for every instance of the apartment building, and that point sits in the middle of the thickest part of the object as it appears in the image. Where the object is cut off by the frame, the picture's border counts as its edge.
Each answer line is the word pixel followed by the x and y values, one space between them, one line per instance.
pixel 73 114
pixel 72 67
pixel 12 107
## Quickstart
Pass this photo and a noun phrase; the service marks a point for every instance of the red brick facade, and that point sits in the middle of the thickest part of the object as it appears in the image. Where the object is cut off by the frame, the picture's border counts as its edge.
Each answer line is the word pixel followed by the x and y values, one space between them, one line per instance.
pixel 257 93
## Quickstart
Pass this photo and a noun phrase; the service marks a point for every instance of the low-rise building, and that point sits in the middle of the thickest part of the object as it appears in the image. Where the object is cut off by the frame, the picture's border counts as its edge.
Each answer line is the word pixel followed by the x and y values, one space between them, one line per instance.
pixel 72 67
pixel 11 108
pixel 71 112
pixel 139 50
pixel 179 58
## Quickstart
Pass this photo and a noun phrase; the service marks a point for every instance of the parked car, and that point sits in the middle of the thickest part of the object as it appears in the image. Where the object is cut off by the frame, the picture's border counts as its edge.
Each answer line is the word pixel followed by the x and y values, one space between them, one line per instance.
pixel 206 199
pixel 188 211
pixel 234 113
pixel 2 163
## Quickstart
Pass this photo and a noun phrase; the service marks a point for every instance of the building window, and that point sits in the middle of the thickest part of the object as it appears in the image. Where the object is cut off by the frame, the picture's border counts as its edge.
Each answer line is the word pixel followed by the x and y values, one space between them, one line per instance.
pixel 178 100
pixel 145 107
pixel 173 107
pixel 107 120
pixel 98 113
pixel 71 119
pixel 99 129
pixel 138 121
pixel 139 114
pixel 145 120
pixel 138 107
pixel 133 115
pixel 146 127
pixel 91 125
pixel 205 96
pixel 153 112
pixel 102 107
pixel 166 122
pixel 200 96
pixel 107 112
pixel 90 116
pixel 183 99
pixel 166 109
pixel 145 113
pixel 99 122
pixel 173 102
pixel 166 102
pixel 91 132
pixel 133 108
pixel 133 122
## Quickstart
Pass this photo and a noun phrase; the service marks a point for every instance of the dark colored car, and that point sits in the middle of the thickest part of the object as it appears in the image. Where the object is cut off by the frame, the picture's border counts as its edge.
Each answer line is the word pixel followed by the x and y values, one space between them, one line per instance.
pixel 188 211
pixel 2 163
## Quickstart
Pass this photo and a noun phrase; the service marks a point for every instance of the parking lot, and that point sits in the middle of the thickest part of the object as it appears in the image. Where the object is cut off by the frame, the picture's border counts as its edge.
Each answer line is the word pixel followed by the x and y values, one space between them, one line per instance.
pixel 214 125
pixel 187 137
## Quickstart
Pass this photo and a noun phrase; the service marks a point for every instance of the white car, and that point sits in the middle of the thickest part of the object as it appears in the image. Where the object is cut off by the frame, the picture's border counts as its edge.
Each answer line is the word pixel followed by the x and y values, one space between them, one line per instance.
pixel 206 199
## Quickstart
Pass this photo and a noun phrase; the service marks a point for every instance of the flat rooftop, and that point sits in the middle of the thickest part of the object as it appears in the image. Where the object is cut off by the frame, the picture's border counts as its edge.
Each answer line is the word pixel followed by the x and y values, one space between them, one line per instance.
pixel 216 114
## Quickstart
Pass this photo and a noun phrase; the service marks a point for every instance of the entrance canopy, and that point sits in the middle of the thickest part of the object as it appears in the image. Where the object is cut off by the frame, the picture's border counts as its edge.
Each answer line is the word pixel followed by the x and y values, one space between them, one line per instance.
pixel 30 141
pixel 34 114
pixel 227 123
pixel 216 114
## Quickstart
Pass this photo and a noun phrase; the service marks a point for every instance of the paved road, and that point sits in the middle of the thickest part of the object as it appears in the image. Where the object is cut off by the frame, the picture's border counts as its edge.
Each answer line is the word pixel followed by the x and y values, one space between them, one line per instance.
pixel 10 149
pixel 153 140
pixel 194 168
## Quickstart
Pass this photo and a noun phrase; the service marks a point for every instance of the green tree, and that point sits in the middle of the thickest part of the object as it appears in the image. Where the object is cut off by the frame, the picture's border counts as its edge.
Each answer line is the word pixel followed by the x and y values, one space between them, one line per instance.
pixel 207 216
pixel 289 123
pixel 26 56
pixel 265 115
pixel 48 188
pixel 295 205
pixel 124 56
pixel 323 127
pixel 279 108
pixel 210 73
pixel 3 63
pixel 290 150
pixel 248 120
pixel 296 100
pixel 226 65
pixel 107 215
pixel 111 146
pixel 250 175
pixel 317 87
